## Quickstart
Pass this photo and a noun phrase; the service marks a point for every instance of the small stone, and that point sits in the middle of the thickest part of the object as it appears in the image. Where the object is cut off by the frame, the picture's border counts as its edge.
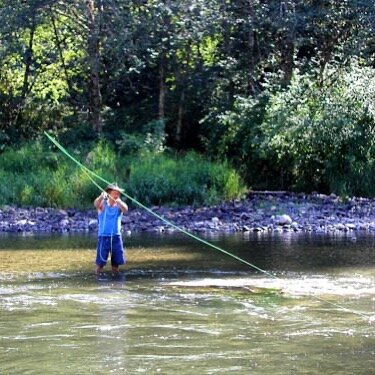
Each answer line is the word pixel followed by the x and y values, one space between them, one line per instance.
pixel 340 227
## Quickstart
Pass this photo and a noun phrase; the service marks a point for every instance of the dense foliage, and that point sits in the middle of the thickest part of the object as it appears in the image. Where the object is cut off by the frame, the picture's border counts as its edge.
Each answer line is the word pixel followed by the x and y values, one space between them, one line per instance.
pixel 282 90
pixel 36 175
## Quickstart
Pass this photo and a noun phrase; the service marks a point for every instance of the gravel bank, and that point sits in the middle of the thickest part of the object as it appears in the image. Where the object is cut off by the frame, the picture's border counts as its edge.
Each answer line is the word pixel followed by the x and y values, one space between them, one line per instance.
pixel 259 212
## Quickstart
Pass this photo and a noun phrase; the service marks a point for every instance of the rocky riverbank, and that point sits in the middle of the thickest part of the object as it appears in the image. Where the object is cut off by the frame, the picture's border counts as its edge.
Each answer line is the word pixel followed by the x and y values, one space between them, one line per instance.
pixel 259 212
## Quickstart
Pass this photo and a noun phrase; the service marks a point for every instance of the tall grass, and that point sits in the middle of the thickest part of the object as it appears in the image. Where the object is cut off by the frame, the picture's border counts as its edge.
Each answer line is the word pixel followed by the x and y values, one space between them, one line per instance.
pixel 33 175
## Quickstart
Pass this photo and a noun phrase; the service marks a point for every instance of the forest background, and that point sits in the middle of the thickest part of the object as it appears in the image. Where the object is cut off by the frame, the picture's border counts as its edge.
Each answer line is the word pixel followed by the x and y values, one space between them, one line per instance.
pixel 186 101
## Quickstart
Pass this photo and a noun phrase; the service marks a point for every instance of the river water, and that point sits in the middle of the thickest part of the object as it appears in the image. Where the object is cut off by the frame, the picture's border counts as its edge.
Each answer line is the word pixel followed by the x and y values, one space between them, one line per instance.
pixel 183 308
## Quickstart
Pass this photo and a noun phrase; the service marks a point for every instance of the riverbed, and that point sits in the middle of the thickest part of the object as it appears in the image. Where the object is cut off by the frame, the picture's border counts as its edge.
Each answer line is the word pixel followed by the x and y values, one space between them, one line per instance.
pixel 181 307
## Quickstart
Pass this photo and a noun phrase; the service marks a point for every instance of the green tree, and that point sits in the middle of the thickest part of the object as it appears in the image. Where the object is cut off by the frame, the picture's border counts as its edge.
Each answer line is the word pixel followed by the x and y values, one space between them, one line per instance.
pixel 38 58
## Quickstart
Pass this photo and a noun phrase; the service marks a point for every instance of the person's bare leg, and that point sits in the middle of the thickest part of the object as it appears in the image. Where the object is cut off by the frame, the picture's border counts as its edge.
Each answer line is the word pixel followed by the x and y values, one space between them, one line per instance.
pixel 115 270
pixel 99 270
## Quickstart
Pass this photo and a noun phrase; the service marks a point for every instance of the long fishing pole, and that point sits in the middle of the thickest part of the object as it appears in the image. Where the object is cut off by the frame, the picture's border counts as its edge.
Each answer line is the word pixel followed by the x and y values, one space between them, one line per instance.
pixel 92 174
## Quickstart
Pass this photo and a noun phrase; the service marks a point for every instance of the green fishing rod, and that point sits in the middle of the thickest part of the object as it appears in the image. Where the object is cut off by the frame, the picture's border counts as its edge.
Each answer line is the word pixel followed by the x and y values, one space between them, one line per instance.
pixel 91 174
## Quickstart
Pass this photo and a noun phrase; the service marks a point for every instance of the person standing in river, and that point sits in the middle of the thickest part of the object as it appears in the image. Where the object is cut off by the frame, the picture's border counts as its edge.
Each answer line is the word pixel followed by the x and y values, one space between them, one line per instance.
pixel 110 208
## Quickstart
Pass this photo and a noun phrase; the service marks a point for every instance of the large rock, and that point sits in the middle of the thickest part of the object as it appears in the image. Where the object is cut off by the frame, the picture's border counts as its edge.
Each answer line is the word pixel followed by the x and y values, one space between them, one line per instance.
pixel 283 220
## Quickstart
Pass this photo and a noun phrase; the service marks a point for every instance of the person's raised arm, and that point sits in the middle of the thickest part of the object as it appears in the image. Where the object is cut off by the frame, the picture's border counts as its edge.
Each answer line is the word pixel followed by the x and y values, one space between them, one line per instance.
pixel 98 202
pixel 123 206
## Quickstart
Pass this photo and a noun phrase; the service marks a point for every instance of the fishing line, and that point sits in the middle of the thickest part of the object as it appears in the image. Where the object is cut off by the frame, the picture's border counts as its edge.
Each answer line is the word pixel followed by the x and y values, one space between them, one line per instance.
pixel 88 172
pixel 92 174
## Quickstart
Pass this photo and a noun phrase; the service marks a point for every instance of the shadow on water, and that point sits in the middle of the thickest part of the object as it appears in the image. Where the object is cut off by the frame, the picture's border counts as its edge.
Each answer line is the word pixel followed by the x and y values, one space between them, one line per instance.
pixel 287 252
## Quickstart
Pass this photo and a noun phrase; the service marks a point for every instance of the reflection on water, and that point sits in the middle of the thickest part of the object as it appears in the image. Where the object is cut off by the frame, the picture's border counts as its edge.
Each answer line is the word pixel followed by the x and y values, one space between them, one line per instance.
pixel 182 308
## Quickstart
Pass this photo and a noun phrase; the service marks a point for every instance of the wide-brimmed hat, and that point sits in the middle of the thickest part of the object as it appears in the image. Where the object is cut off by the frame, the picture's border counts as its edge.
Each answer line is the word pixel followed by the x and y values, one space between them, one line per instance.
pixel 115 187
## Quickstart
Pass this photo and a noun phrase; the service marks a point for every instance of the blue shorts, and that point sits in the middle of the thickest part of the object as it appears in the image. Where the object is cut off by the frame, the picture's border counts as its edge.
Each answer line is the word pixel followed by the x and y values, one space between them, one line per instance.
pixel 113 245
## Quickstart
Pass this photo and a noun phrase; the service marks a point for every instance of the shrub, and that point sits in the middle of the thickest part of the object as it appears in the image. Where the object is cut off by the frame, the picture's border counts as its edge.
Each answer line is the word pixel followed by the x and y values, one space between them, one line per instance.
pixel 150 140
pixel 323 136
pixel 190 179
pixel 152 178
pixel 28 157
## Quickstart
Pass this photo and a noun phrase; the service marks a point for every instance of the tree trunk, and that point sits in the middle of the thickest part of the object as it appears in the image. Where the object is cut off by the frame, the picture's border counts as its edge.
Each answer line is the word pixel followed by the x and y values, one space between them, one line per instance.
pixel 181 106
pixel 287 59
pixel 287 40
pixel 19 102
pixel 251 51
pixel 162 90
pixel 95 97
pixel 60 49
pixel 28 63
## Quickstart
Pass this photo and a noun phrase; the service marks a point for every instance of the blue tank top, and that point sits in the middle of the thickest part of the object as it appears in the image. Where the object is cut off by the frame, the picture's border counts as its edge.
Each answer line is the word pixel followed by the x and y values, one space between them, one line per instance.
pixel 109 221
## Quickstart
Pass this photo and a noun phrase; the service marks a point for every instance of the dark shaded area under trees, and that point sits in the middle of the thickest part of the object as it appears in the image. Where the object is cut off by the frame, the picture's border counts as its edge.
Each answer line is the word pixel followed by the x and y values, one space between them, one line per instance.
pixel 283 90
